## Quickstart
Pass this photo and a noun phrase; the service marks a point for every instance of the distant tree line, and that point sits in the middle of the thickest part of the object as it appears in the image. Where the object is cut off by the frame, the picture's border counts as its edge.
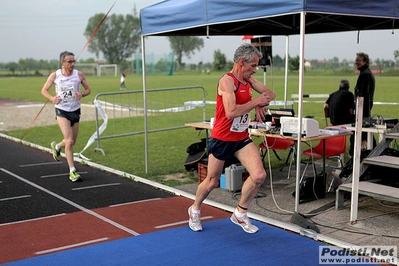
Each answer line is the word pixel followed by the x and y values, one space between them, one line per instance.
pixel 30 66
pixel 118 39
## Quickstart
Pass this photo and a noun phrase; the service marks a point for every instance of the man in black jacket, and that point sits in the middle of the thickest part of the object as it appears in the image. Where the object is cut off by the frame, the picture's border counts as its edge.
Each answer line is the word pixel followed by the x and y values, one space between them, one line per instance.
pixel 365 86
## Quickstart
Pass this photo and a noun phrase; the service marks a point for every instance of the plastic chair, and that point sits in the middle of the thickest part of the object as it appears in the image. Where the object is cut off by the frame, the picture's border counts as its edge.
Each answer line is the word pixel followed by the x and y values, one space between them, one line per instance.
pixel 276 144
pixel 334 147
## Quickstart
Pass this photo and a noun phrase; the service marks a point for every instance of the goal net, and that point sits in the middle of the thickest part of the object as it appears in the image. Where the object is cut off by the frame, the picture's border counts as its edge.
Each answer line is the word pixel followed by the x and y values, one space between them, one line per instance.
pixel 108 70
pixel 87 69
pixel 156 64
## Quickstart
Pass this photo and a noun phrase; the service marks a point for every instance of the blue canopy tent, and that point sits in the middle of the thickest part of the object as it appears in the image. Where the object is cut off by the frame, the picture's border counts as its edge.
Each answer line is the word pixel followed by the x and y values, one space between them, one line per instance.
pixel 271 17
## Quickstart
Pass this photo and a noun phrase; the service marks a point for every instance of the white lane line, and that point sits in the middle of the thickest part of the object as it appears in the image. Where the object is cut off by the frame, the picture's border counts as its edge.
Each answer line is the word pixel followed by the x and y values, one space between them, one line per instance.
pixel 18 197
pixel 58 175
pixel 182 222
pixel 35 219
pixel 55 175
pixel 104 185
pixel 134 202
pixel 105 219
pixel 72 246
pixel 28 105
pixel 38 164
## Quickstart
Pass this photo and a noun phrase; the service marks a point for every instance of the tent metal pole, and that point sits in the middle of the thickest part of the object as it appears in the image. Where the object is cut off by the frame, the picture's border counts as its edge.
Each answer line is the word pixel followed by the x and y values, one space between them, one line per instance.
pixel 264 74
pixel 145 102
pixel 287 40
pixel 356 160
pixel 300 103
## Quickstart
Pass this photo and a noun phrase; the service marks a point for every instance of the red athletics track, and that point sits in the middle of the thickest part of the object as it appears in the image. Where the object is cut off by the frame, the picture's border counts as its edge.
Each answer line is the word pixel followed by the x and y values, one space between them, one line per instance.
pixel 27 239
pixel 43 212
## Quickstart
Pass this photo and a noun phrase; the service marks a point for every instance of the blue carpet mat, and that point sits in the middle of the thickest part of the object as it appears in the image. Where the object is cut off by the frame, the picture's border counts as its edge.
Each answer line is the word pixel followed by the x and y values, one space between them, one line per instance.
pixel 221 243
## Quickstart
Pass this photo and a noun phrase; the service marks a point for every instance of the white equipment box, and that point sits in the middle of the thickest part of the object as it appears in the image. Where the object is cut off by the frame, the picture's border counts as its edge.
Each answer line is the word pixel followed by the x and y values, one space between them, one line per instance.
pixel 235 175
pixel 289 127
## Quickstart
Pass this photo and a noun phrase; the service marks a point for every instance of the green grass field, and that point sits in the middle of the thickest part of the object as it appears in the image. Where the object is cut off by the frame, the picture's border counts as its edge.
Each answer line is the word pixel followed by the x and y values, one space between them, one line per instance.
pixel 167 149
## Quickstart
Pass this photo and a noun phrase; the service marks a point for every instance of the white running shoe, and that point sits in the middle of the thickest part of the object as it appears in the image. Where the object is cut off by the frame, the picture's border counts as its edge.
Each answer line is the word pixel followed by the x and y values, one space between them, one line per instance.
pixel 245 223
pixel 194 220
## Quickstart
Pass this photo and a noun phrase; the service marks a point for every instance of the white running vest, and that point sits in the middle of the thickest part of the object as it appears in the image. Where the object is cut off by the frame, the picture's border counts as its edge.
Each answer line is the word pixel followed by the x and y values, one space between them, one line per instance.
pixel 65 88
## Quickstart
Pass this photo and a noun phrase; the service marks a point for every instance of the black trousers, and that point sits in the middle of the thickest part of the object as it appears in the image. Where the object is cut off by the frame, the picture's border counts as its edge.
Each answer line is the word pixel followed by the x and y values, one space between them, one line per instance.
pixel 364 138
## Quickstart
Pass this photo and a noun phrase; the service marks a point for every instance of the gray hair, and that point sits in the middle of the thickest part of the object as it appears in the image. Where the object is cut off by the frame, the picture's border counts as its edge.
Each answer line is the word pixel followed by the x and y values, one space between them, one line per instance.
pixel 344 84
pixel 246 51
pixel 64 54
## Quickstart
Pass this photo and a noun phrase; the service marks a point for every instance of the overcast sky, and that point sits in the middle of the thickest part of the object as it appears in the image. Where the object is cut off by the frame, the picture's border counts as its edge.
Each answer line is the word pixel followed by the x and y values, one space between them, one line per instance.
pixel 41 29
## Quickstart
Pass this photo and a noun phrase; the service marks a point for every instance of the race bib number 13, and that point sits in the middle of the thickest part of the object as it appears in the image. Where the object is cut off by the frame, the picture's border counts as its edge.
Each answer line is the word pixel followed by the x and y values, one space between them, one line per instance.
pixel 240 123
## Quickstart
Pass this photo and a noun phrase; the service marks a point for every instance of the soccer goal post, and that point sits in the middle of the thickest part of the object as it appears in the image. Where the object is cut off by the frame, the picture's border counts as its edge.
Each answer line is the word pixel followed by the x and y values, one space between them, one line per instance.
pixel 108 70
pixel 88 69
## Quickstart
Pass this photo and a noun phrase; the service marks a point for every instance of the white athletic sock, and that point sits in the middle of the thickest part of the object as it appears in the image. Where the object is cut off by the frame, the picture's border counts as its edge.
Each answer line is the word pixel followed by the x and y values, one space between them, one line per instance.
pixel 239 214
pixel 56 147
pixel 195 211
pixel 72 169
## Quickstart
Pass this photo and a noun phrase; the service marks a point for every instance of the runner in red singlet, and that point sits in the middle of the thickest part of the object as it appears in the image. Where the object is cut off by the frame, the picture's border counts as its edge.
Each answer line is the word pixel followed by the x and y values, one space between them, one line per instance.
pixel 230 135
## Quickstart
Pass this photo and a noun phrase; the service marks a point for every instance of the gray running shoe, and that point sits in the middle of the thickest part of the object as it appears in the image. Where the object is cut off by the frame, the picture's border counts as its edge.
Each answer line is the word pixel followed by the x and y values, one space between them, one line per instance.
pixel 194 220
pixel 56 153
pixel 245 223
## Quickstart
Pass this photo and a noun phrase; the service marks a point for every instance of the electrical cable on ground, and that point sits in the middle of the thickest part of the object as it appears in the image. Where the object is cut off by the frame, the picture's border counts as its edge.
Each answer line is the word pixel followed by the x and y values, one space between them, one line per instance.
pixel 271 180
pixel 286 212
pixel 354 232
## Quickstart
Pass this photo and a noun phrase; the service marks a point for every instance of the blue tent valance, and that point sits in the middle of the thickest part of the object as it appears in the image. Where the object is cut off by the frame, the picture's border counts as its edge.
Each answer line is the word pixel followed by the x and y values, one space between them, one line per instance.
pixel 274 17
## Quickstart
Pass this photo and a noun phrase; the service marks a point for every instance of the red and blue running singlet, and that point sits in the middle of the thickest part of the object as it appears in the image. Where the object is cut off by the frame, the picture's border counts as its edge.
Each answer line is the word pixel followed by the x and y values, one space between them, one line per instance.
pixel 232 129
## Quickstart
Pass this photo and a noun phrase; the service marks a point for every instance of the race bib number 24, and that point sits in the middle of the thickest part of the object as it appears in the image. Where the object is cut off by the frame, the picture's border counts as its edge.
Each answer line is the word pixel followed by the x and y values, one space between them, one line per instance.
pixel 67 94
